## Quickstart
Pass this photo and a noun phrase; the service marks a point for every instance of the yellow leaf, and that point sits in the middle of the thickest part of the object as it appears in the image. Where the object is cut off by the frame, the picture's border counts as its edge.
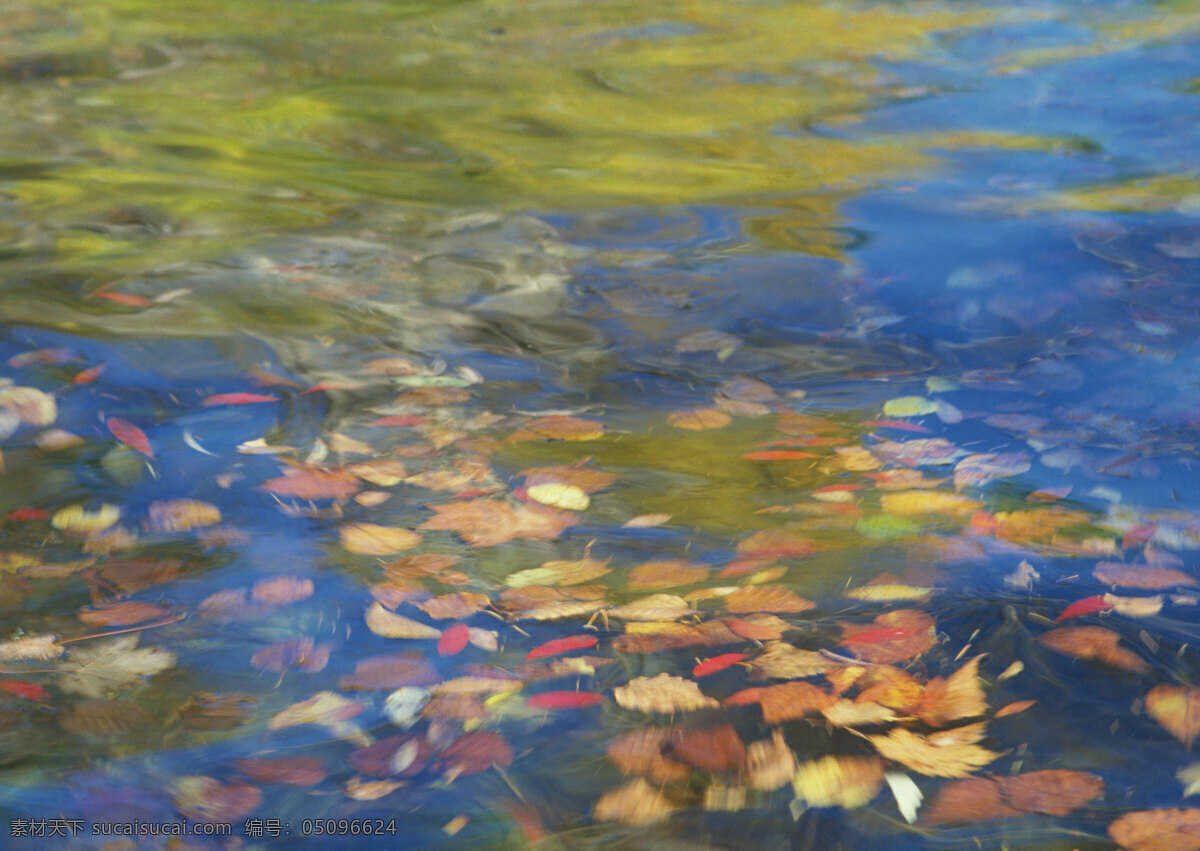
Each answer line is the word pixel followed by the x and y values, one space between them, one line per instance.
pixel 559 573
pixel 656 607
pixel 75 520
pixel 699 419
pixel 569 497
pixel 909 406
pixel 888 592
pixel 914 503
pixel 371 539
pixel 770 764
pixel 180 515
pixel 839 781
pixel 382 622
pixel 937 757
pixel 635 803
pixel 1176 708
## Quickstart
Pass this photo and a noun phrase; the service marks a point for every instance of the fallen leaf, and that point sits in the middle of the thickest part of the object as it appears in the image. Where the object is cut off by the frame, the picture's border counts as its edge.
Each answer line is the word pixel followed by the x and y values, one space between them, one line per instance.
pixel 642 751
pixel 780 660
pixel 1158 830
pixel 1176 708
pixel 558 427
pixel 180 515
pixel 559 573
pixel 916 503
pixel 892 637
pixel 488 522
pixel 888 592
pixel 454 639
pixel 475 752
pixel 662 693
pixel 130 435
pixel 838 781
pixel 558 495
pixel 978 470
pixel 561 645
pixel 909 406
pixel 206 800
pixel 124 613
pixel 564 699
pixel 907 794
pixel 1141 576
pixel 699 419
pixel 390 625
pixel 460 604
pixel 372 539
pixel 27 690
pixel 389 672
pixel 1055 792
pixel 1096 643
pixel 312 483
pixel 655 607
pixel 667 573
pixel 281 590
pixel 1013 708
pixel 776 544
pixel 1086 606
pixel 937 755
pixel 953 698
pixel 857 713
pixel 107 718
pixel 325 708
pixel 403 755
pixel 112 666
pixel 646 521
pixel 1135 607
pixel 770 763
pixel 292 770
pixel 384 473
pixel 716 664
pixel 792 701
pixel 76 520
pixel 301 654
pixel 587 480
pixel 237 399
pixel 635 803
pixel 767 598
pixel 711 749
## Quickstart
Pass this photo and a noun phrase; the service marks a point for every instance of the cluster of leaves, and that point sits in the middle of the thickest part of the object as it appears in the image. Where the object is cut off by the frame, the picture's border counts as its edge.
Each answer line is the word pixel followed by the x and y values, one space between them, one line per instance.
pixel 747 665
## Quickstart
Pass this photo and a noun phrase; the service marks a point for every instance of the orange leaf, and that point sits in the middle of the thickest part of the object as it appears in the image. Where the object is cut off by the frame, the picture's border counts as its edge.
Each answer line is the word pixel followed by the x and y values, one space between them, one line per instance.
pixel 1177 708
pixel 1158 830
pixel 767 598
pixel 1096 643
pixel 699 419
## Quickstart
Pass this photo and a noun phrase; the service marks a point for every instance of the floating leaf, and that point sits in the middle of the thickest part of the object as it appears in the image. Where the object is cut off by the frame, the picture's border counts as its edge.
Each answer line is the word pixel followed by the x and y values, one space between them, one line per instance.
pixel 293 770
pixel 107 718
pixel 667 573
pixel 313 483
pixel 130 435
pixel 919 502
pixel 770 763
pixel 907 794
pixel 75 520
pixel 776 544
pixel 1086 606
pixel 561 645
pixel 656 607
pixel 1096 643
pixel 953 698
pixel 559 573
pixel 978 470
pixel 1176 708
pixel 237 399
pixel 778 455
pixel 111 666
pixel 206 800
pixel 383 474
pixel 857 713
pixel 389 672
pixel 1055 792
pixel 557 495
pixel 635 803
pixel 717 663
pixel 124 613
pixel 461 604
pixel 390 625
pixel 947 754
pixel 780 660
pixel 888 592
pixel 488 522
pixel 180 515
pixel 32 406
pixel 699 419
pixel 792 701
pixel 454 639
pixel 301 654
pixel 646 521
pixel 1158 830
pixel 558 427
pixel 662 693
pixel 894 636
pixel 1141 576
pixel 374 540
pixel 767 598
pixel 909 406
pixel 477 751
pixel 838 781
pixel 325 708
pixel 710 749
pixel 642 751
pixel 403 706
pixel 564 699
pixel 27 690
pixel 281 590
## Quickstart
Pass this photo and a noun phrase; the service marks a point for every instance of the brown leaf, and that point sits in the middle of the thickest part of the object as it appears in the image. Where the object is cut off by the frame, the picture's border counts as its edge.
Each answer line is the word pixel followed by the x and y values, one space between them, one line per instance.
pixel 891 687
pixel 839 781
pixel 383 473
pixel 130 575
pixel 709 749
pixel 1158 830
pixel 652 637
pixel 857 713
pixel 1139 576
pixel 938 757
pixel 475 752
pixel 558 427
pixel 1055 793
pixel 767 598
pixel 488 522
pixel 313 483
pixel 770 764
pixel 460 604
pixel 560 573
pixel 641 751
pixel 972 799
pixel 958 696
pixel 1177 708
pixel 106 718
pixel 776 544
pixel 587 480
pixel 389 672
pixel 667 573
pixel 790 701
pixel 293 770
pixel 662 693
pixel 1096 643
pixel 401 755
pixel 699 419
pixel 371 539
pixel 122 614
pixel 433 396
pixel 180 515
pixel 301 654
pixel 636 803
pixel 212 712
pixel 656 607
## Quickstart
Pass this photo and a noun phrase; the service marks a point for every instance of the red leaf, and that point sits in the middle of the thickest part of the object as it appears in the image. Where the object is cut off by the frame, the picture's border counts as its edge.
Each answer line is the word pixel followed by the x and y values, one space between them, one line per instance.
pixel 561 645
pixel 454 639
pixel 875 636
pixel 87 376
pixel 406 420
pixel 838 488
pixel 127 299
pixel 897 424
pixel 777 455
pixel 1083 607
pixel 717 663
pixel 29 691
pixel 237 399
pixel 130 435
pixel 27 514
pixel 564 699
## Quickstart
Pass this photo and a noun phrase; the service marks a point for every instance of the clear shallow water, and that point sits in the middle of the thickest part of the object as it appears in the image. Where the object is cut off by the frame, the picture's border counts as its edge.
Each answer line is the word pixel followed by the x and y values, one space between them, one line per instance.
pixel 622 213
